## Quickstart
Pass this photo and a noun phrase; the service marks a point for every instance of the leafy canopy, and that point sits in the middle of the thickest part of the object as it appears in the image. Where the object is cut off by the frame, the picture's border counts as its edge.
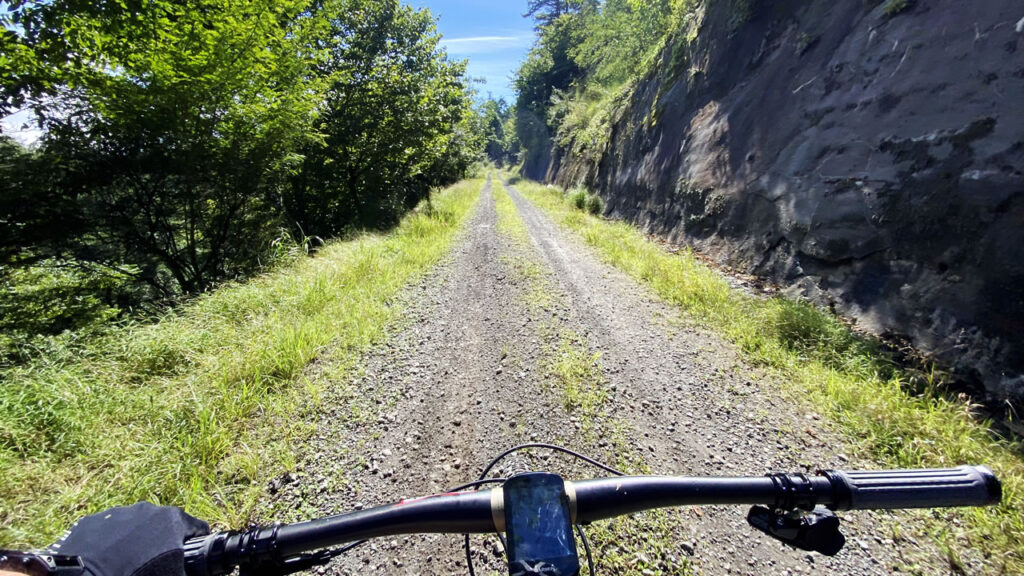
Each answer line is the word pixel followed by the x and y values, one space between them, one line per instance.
pixel 182 138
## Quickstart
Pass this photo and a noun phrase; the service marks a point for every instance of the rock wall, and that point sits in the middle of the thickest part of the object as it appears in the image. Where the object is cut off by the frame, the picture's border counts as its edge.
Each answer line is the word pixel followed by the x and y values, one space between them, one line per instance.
pixel 869 158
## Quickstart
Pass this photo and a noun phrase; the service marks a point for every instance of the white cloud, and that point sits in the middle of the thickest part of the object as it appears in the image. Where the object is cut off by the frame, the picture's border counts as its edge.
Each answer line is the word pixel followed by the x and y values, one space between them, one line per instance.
pixel 484 44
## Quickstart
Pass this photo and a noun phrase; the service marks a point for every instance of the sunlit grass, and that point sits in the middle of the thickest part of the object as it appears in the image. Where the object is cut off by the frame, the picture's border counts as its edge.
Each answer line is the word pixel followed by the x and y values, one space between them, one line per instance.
pixel 577 372
pixel 644 544
pixel 510 223
pixel 519 260
pixel 843 374
pixel 197 410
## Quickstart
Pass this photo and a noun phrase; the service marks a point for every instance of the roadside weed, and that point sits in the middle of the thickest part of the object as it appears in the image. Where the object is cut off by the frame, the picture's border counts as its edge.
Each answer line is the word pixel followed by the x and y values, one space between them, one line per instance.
pixel 512 227
pixel 578 374
pixel 579 198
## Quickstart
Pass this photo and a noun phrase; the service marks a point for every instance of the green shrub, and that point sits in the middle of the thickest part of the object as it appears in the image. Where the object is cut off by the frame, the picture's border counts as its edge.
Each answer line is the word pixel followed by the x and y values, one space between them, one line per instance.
pixel 595 205
pixel 579 198
pixel 53 296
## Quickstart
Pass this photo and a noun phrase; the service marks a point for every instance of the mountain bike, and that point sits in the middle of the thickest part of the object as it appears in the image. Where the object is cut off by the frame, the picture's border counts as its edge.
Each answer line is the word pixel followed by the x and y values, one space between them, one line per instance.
pixel 538 513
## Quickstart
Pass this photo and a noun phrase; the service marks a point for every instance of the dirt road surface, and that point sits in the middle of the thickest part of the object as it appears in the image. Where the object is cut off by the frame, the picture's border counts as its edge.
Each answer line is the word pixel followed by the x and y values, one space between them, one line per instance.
pixel 480 365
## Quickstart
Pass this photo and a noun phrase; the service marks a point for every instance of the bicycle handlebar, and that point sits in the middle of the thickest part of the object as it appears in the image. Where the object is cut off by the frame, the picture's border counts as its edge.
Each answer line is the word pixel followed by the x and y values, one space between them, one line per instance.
pixel 592 500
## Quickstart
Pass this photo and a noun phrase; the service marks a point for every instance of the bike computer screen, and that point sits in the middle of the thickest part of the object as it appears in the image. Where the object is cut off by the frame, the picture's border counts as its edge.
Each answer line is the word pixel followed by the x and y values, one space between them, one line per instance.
pixel 538 526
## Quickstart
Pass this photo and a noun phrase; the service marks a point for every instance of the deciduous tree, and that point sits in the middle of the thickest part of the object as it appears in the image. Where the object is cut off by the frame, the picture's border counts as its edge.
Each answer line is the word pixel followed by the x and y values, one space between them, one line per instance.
pixel 389 121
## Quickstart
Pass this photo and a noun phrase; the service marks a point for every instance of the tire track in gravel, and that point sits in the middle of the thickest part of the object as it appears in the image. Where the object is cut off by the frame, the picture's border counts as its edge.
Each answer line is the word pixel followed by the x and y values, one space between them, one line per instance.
pixel 465 378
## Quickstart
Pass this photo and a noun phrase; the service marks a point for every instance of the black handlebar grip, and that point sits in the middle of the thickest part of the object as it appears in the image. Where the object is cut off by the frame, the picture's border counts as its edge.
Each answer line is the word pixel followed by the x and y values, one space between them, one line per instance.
pixel 936 488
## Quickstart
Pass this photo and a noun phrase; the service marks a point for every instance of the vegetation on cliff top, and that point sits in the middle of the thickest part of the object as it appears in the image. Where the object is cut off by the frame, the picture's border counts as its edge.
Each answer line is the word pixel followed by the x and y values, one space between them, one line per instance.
pixel 583 67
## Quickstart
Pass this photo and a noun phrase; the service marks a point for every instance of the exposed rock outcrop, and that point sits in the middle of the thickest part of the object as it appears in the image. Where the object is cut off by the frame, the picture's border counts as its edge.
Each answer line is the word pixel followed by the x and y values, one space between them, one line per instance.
pixel 870 157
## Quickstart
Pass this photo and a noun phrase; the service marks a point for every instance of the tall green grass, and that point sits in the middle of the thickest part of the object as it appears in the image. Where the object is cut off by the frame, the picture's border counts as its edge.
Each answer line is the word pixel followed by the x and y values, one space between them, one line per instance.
pixel 197 409
pixel 842 374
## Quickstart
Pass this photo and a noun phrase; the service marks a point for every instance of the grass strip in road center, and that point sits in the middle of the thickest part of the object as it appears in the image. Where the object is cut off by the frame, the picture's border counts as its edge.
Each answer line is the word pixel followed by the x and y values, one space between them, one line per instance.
pixel 513 228
pixel 196 410
pixel 646 543
pixel 841 373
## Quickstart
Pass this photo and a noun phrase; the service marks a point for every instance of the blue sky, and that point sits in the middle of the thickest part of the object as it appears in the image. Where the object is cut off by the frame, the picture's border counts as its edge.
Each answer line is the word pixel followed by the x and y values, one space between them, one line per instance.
pixel 492 35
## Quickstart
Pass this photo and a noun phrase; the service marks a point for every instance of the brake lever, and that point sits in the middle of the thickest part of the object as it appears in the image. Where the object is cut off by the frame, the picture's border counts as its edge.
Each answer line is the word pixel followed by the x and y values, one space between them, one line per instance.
pixel 814 531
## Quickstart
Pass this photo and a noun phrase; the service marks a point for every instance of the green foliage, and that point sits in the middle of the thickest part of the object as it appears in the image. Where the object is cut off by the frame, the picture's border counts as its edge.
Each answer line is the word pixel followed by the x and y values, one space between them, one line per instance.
pixel 53 296
pixel 548 69
pixel 389 123
pixel 173 124
pixel 546 12
pixel 585 119
pixel 181 138
pixel 500 142
pixel 585 201
pixel 741 11
pixel 31 212
pixel 578 198
pixel 198 410
pixel 619 36
pixel 582 72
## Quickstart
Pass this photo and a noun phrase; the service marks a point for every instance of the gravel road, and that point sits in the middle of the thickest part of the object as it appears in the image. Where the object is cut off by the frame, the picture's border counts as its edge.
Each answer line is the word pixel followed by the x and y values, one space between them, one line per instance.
pixel 469 374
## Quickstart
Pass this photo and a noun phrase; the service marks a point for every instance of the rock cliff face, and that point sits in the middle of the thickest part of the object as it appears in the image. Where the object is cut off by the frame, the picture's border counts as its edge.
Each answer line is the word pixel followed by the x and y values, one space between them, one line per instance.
pixel 867 156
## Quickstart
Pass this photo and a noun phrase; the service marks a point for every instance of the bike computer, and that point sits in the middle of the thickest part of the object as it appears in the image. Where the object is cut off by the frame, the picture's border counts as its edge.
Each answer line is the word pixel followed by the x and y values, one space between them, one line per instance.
pixel 538 526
